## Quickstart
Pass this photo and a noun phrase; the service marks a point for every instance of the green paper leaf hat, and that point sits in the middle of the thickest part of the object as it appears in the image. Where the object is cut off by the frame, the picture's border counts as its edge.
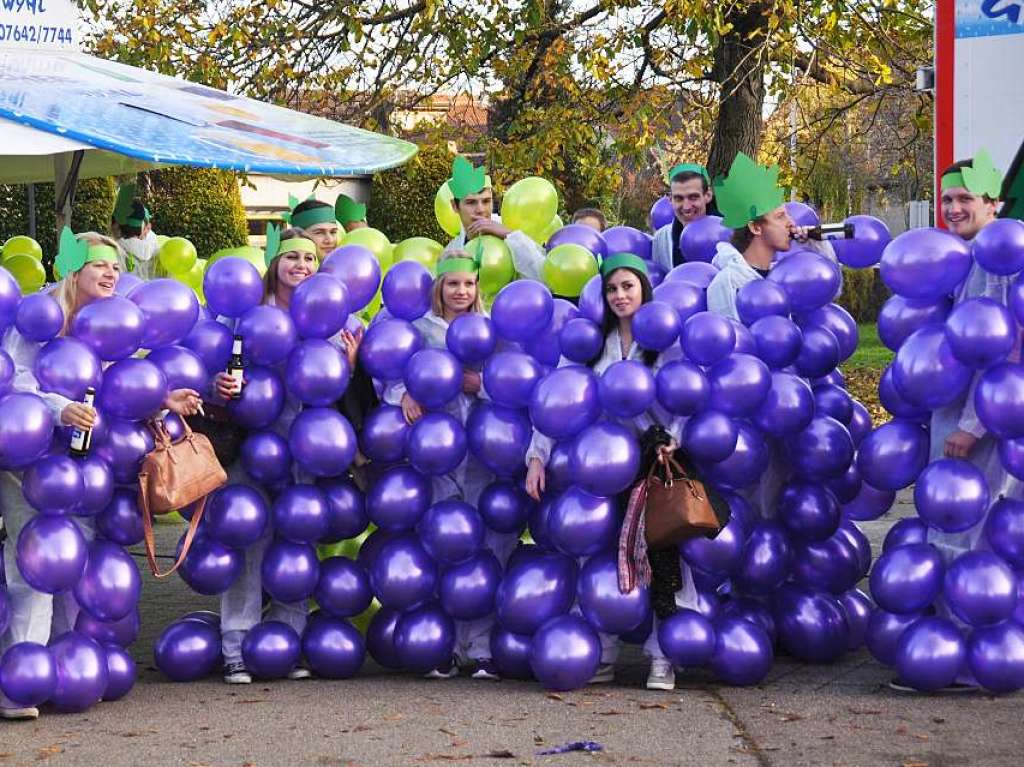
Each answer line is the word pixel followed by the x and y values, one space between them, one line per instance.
pixel 979 178
pixel 347 210
pixel 466 179
pixel 748 192
pixel 73 253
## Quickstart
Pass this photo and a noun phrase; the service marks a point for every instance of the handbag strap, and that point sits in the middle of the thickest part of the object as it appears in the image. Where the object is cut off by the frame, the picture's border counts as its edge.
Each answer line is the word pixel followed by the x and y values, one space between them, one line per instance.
pixel 147 529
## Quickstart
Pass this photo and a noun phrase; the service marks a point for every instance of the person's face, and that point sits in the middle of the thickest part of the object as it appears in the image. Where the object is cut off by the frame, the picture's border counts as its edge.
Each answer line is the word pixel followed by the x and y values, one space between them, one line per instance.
pixel 775 229
pixel 592 222
pixel 97 279
pixel 689 200
pixel 964 213
pixel 458 291
pixel 623 293
pixel 325 236
pixel 473 207
pixel 294 267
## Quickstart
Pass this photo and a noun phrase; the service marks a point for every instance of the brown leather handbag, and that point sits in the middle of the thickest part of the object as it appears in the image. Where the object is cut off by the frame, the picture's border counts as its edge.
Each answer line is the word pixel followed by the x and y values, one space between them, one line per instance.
pixel 678 506
pixel 174 475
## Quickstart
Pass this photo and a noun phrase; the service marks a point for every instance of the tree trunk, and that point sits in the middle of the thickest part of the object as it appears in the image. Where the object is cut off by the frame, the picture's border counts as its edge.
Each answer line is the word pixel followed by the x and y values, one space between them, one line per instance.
pixel 739 69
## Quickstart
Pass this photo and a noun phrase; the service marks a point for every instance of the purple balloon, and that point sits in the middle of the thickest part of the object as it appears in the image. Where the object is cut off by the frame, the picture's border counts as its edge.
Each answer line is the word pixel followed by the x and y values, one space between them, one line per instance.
pixel 865 248
pixel 656 326
pixel 662 213
pixel 626 239
pixel 682 388
pixel 210 567
pixel 834 401
pixel 788 408
pixel 343 590
pixel 387 348
pixel 819 352
pixel 995 655
pixel 112 327
pixel 290 571
pixel 565 401
pixel 710 436
pixel 499 437
pixel 126 283
pixel 895 403
pixel 6 372
pixel 810 280
pixel 738 385
pixel 930 653
pixel 10 296
pixel 700 238
pixel 604 459
pixel 522 309
pixel 300 514
pixel 398 499
pixel 54 484
pixel 839 323
pixel 424 638
pixel 747 462
pixel 182 367
pixel 28 673
pixel 591 302
pixel 579 234
pixel 1004 530
pixel 582 524
pixel 696 273
pixel 1011 455
pixel 893 455
pixel 951 495
pixel 380 637
pixel 433 377
pixel 980 588
pixel 451 531
pixel 925 263
pixel 268 335
pixel 51 553
pixel 232 286
pixel 504 507
pixel 905 532
pixel 907 579
pixel 319 306
pixel 236 516
pixel 471 338
pixel 384 434
pixel 999 400
pixel 626 389
pixel 686 638
pixel 811 625
pixel 317 372
pixel 406 290
pixel 980 332
pixel 558 477
pixel 211 341
pixel 188 650
pixel 808 511
pixel 39 317
pixel 761 298
pixel 870 503
pixel 333 648
pixel 719 555
pixel 707 338
pixel 999 247
pixel 535 588
pixel 346 509
pixel 802 213
pixel 765 560
pixel 121 673
pixel 510 377
pixel 121 521
pixel 467 590
pixel 322 442
pixel 82 674
pixel 170 308
pixel 66 366
pixel 857 607
pixel 580 340
pixel 687 299
pixel 884 632
pixel 358 270
pixel 565 653
pixel 270 650
pixel 511 652
pixel 743 651
pixel 604 606
pixel 821 451
pixel 900 317
pixel 110 584
pixel 437 444
pixel 262 399
pixel 132 389
pixel 266 457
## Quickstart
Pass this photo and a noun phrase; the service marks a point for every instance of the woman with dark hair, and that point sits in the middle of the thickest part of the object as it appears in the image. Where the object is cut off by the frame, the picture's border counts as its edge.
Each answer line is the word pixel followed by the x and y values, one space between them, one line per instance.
pixel 626 287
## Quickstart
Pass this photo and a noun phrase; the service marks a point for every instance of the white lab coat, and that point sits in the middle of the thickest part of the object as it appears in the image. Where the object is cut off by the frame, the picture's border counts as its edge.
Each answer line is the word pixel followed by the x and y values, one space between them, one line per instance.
pixel 662 247
pixel 144 252
pixel 527 256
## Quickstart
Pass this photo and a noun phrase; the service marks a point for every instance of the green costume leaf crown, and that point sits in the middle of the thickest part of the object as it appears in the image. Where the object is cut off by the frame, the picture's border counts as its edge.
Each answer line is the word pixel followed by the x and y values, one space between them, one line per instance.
pixel 74 253
pixel 748 192
pixel 273 245
pixel 623 261
pixel 347 210
pixel 979 178
pixel 688 167
pixel 463 263
pixel 124 206
pixel 466 179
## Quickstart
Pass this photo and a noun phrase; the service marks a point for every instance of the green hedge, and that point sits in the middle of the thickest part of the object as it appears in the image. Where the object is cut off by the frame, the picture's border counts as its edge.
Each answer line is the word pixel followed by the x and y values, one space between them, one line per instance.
pixel 201 204
pixel 93 204
pixel 402 200
pixel 863 293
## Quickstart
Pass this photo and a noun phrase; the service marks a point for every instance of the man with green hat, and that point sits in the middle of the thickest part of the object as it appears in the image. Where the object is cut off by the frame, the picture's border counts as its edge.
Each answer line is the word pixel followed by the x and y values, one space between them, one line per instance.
pixel 317 220
pixel 690 195
pixel 350 214
pixel 473 200
pixel 130 225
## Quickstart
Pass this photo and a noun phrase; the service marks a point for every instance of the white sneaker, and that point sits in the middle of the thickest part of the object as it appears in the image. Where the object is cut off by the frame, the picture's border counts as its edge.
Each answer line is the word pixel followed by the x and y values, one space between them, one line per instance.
pixel 299 672
pixel 662 676
pixel 236 673
pixel 25 712
pixel 605 673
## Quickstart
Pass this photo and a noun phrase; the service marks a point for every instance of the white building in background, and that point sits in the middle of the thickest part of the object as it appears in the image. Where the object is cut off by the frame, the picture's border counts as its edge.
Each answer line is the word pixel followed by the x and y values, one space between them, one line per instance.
pixel 265 198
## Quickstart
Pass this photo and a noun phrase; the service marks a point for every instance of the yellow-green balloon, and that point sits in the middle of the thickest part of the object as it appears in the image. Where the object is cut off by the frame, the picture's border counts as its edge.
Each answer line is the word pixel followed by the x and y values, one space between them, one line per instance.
pixel 567 269
pixel 27 270
pixel 253 255
pixel 529 205
pixel 552 227
pixel 161 239
pixel 20 245
pixel 373 240
pixel 420 249
pixel 446 216
pixel 497 268
pixel 177 255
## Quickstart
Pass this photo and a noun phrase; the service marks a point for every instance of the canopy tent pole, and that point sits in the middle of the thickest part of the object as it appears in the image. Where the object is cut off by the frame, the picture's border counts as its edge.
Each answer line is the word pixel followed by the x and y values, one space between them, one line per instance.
pixel 65 172
pixel 32 211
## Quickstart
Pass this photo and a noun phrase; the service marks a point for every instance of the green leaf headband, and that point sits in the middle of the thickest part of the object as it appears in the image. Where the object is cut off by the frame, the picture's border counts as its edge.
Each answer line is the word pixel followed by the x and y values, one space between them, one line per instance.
pixel 979 178
pixel 124 206
pixel 466 179
pixel 74 253
pixel 276 246
pixel 688 167
pixel 749 192
pixel 623 261
pixel 347 210
pixel 462 263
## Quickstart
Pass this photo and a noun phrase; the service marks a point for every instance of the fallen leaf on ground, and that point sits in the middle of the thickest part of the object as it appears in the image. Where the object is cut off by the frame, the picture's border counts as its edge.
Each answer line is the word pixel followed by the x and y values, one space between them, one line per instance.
pixel 652 705
pixel 500 754
pixel 47 751
pixel 554 696
pixel 792 718
pixel 446 731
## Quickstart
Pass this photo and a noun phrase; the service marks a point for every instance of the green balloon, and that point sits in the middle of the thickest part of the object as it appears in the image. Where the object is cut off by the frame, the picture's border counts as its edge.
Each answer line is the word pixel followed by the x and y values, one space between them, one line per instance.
pixel 446 216
pixel 497 269
pixel 373 240
pixel 27 270
pixel 177 255
pixel 21 245
pixel 253 255
pixel 568 268
pixel 529 205
pixel 420 249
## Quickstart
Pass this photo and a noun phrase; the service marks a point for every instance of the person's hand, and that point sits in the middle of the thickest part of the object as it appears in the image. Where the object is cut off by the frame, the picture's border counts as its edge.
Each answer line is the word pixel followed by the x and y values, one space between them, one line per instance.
pixel 350 342
pixel 959 444
pixel 225 386
pixel 488 226
pixel 183 401
pixel 799 233
pixel 411 409
pixel 79 415
pixel 535 478
pixel 666 451
pixel 470 381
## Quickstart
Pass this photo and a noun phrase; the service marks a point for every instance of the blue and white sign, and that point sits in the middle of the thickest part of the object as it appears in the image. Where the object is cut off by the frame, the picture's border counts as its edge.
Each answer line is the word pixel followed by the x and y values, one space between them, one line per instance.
pixel 35 24
pixel 987 18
